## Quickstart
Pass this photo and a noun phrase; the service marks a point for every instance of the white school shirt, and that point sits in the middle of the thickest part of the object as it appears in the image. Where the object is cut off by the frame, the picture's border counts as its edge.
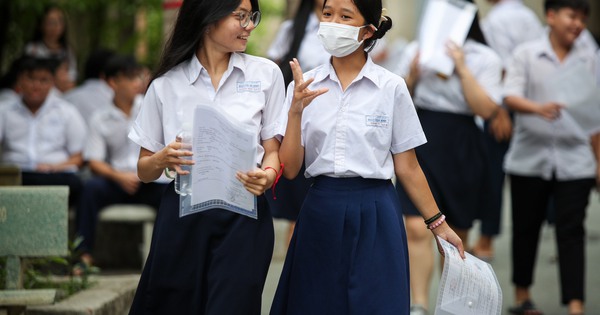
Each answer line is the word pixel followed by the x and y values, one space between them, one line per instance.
pixel 354 133
pixel 90 96
pixel 52 135
pixel 108 141
pixel 251 93
pixel 446 95
pixel 509 24
pixel 311 52
pixel 540 147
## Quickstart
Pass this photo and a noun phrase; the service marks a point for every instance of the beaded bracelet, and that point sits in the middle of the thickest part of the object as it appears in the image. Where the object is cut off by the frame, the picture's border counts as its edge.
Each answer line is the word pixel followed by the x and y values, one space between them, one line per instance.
pixel 437 223
pixel 432 219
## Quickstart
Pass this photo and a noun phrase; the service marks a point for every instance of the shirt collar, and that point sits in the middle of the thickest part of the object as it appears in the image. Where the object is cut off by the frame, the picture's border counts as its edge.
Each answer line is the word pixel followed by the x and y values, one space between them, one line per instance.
pixel 50 102
pixel 545 47
pixel 368 71
pixel 194 68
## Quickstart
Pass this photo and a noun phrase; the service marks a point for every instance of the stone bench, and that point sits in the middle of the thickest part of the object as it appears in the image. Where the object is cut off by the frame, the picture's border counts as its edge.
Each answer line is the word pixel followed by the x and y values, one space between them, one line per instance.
pixel 33 223
pixel 133 213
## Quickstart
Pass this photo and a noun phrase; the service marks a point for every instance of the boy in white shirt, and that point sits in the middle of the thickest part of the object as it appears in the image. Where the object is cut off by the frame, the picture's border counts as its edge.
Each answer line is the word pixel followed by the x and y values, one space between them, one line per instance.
pixel 112 157
pixel 41 133
pixel 550 155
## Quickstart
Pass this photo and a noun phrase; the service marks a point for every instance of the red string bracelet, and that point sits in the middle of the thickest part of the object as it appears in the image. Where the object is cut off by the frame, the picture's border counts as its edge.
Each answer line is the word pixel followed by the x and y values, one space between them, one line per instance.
pixel 278 175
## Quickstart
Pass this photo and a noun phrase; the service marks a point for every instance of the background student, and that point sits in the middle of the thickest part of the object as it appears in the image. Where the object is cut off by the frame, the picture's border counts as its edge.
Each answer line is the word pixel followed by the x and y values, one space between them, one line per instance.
pixel 41 133
pixel 454 159
pixel 111 156
pixel 550 156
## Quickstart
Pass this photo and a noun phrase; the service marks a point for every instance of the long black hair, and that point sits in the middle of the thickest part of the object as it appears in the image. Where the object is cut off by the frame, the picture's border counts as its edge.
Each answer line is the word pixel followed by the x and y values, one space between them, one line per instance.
pixel 298 31
pixel 38 33
pixel 193 20
pixel 371 10
pixel 475 33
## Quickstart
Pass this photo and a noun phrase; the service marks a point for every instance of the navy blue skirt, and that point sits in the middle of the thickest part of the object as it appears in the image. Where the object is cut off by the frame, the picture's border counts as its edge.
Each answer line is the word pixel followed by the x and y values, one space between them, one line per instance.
pixel 213 262
pixel 348 254
pixel 455 162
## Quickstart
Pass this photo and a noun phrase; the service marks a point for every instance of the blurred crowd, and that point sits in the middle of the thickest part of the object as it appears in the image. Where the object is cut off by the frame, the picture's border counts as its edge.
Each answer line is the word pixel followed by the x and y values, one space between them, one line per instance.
pixel 489 120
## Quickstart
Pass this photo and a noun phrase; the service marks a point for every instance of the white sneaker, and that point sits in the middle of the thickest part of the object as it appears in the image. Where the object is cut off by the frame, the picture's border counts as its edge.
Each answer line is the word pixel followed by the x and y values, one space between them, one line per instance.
pixel 418 310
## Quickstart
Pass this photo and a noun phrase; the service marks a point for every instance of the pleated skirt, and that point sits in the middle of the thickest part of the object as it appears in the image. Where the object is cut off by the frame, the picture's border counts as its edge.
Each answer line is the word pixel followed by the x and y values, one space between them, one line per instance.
pixel 348 254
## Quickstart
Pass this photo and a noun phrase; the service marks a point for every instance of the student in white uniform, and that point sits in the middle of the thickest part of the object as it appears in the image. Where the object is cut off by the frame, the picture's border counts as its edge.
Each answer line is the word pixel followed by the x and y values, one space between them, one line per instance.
pixel 93 93
pixel 112 157
pixel 51 40
pixel 550 156
pixel 214 261
pixel 41 133
pixel 354 125
pixel 455 159
pixel 503 29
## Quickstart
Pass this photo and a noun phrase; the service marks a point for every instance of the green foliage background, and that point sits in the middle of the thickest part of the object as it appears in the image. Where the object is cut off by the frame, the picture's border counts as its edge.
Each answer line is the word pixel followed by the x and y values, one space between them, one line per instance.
pixel 110 24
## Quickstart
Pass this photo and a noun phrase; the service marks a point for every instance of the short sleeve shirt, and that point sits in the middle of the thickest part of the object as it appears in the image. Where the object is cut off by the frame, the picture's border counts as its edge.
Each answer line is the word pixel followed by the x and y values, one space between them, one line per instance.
pixel 446 94
pixel 251 93
pixel 51 136
pixel 108 141
pixel 539 147
pixel 354 133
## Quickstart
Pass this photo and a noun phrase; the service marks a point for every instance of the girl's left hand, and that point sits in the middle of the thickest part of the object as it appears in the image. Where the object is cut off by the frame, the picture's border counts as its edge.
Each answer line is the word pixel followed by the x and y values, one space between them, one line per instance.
pixel 445 232
pixel 256 182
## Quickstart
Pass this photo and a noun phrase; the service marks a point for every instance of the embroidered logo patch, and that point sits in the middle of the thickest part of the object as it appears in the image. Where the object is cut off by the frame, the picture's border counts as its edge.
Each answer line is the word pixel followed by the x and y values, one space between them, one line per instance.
pixel 248 86
pixel 377 120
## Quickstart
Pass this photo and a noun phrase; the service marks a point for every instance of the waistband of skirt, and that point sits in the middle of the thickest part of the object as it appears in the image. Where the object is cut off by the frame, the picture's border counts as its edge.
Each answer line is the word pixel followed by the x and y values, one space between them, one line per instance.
pixel 349 183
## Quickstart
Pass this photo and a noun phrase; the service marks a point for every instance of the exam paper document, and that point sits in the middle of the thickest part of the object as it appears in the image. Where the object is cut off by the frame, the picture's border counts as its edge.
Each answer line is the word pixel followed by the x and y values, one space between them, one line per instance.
pixel 467 287
pixel 443 20
pixel 575 87
pixel 221 148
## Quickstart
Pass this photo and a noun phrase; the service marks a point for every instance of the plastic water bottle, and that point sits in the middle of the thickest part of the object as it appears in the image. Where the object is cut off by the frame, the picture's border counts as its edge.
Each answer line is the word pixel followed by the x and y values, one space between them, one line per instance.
pixel 183 183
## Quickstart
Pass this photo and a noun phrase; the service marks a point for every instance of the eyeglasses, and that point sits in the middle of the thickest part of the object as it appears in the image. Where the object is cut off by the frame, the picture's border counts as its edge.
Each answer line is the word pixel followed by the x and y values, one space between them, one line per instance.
pixel 245 17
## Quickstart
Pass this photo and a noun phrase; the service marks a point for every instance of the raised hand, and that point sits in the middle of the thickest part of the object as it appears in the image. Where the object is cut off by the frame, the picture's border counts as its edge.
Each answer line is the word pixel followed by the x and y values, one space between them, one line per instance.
pixel 302 94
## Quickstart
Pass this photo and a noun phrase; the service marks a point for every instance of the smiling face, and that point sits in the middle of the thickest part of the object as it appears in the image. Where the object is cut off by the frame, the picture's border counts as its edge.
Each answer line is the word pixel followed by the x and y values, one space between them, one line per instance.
pixel 227 35
pixel 566 24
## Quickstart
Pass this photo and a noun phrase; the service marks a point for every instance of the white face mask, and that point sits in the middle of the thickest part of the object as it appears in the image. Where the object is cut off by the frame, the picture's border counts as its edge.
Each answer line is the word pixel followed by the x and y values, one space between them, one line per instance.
pixel 339 40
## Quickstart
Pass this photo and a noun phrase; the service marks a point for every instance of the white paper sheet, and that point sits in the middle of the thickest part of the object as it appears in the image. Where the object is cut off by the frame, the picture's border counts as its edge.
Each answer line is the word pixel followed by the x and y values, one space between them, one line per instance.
pixel 443 20
pixel 575 87
pixel 467 287
pixel 221 148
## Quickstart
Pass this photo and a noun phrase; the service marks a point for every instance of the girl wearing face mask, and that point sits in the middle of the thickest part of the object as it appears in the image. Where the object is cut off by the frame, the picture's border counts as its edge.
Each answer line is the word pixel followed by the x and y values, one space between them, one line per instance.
pixel 354 125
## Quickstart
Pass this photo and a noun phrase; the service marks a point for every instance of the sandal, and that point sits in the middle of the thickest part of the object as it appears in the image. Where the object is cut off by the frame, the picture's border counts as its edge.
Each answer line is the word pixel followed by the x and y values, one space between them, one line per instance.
pixel 525 308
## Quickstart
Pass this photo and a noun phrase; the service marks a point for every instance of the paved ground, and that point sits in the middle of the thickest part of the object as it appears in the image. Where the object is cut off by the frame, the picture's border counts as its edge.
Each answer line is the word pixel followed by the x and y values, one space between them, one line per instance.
pixel 546 287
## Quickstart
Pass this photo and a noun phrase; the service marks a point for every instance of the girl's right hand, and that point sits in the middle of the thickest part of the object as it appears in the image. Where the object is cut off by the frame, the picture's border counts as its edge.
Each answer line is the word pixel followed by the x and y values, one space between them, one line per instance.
pixel 171 157
pixel 302 95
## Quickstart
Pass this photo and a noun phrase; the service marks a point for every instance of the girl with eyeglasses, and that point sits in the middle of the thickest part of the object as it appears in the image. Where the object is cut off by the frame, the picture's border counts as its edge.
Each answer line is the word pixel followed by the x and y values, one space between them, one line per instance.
pixel 354 126
pixel 214 261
